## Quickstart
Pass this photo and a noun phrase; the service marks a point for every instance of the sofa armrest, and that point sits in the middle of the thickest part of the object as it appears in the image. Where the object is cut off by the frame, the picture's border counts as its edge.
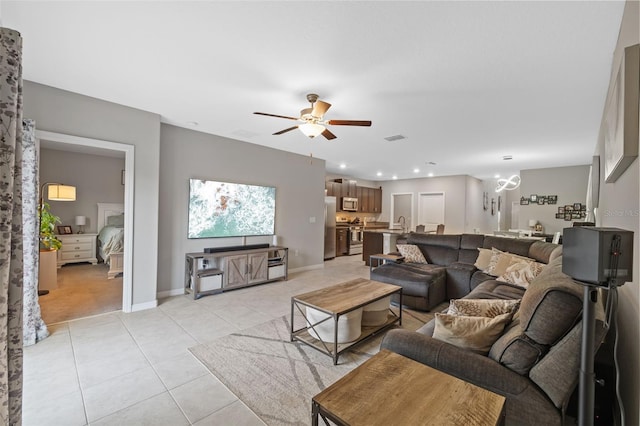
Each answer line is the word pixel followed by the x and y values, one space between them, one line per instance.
pixel 466 365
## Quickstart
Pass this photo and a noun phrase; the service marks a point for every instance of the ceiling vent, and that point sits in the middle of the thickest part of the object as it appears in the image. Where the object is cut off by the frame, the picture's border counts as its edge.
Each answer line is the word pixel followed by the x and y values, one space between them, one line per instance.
pixel 394 138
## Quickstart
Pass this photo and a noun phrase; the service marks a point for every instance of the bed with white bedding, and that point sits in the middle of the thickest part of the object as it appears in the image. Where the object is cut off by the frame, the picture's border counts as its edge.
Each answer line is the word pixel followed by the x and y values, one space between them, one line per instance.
pixel 111 236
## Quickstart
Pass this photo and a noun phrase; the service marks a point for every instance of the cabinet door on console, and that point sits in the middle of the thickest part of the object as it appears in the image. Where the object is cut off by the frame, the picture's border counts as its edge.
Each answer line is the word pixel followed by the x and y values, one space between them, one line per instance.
pixel 258 271
pixel 236 270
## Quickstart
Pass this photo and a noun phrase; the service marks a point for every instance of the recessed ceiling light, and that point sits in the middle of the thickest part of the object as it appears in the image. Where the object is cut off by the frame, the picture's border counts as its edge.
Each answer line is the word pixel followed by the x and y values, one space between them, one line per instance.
pixel 497 176
pixel 343 166
pixel 379 174
pixel 394 177
pixel 507 157
pixel 430 175
pixel 416 170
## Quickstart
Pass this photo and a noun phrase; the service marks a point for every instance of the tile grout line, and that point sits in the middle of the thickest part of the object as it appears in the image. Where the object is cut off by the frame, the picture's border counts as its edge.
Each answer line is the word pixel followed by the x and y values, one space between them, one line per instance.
pixel 75 363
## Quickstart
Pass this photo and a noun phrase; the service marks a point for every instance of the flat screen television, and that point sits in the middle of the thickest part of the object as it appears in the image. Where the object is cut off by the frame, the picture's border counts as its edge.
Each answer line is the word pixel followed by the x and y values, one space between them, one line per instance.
pixel 225 209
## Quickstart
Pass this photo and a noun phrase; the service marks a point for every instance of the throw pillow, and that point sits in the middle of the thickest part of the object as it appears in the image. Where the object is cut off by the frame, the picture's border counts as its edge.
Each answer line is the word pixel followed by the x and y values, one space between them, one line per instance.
pixel 522 273
pixel 499 262
pixel 489 308
pixel 473 333
pixel 484 257
pixel 411 253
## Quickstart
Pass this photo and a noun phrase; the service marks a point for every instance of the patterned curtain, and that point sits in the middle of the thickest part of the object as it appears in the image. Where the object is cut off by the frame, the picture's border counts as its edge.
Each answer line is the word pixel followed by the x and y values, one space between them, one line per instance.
pixel 11 267
pixel 34 328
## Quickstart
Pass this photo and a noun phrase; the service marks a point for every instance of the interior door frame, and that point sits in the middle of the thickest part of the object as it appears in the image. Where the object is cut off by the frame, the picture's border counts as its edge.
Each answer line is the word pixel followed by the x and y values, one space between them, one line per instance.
pixel 392 208
pixel 444 203
pixel 127 274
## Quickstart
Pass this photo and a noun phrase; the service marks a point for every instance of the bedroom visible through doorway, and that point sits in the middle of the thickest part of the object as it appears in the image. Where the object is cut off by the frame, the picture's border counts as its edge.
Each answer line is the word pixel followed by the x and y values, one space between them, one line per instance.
pixel 86 289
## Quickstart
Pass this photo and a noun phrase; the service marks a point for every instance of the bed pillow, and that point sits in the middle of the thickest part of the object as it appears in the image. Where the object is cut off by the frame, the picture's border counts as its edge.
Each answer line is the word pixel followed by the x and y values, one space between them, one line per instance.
pixel 411 253
pixel 484 257
pixel 489 308
pixel 476 334
pixel 521 273
pixel 117 220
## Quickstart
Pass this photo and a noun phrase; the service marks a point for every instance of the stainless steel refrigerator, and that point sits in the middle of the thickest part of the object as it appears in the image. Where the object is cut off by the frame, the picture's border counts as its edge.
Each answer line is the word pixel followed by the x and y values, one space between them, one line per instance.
pixel 329 227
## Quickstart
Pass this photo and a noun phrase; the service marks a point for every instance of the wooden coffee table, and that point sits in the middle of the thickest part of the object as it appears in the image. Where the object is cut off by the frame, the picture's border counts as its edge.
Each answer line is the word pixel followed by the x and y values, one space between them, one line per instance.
pixel 339 300
pixel 390 389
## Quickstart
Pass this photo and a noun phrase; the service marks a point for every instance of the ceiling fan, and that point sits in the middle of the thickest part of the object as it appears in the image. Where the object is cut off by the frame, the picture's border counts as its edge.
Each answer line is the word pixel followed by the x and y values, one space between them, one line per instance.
pixel 313 119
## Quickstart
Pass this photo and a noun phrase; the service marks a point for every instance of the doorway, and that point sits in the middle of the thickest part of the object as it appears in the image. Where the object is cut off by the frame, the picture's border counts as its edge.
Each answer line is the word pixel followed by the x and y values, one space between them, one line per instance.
pixel 87 144
pixel 401 210
pixel 431 210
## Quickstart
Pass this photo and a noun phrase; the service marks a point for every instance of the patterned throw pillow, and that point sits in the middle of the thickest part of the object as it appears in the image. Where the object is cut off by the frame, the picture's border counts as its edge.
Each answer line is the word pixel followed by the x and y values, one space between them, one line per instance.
pixel 501 260
pixel 489 308
pixel 411 253
pixel 477 334
pixel 522 273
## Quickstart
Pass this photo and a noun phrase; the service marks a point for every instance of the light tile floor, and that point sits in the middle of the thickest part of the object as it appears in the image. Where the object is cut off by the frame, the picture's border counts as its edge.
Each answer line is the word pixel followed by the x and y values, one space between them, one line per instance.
pixel 134 369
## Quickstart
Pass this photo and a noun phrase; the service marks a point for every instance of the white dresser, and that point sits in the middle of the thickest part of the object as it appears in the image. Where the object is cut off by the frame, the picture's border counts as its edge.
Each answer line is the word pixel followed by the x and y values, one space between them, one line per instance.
pixel 77 248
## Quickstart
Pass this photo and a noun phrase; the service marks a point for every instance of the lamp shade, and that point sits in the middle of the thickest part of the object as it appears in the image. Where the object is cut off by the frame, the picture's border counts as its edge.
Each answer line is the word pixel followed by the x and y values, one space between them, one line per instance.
pixel 81 220
pixel 59 192
pixel 533 222
pixel 310 129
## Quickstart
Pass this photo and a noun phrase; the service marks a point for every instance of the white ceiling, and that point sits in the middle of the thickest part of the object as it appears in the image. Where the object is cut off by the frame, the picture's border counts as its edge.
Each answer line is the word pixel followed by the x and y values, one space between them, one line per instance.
pixel 466 82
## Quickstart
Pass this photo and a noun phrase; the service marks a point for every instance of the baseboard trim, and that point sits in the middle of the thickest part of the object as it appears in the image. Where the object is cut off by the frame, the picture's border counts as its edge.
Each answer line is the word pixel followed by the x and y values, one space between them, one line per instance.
pixel 169 293
pixel 146 305
pixel 307 268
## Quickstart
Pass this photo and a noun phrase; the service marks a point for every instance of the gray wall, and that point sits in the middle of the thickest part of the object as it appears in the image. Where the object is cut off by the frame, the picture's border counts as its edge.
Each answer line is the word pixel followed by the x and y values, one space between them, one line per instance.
pixel 299 183
pixel 620 208
pixel 97 180
pixel 69 113
pixel 455 190
pixel 568 183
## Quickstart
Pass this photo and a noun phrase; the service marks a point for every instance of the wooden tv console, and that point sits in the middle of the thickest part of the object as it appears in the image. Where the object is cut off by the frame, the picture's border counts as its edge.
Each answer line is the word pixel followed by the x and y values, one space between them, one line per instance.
pixel 211 273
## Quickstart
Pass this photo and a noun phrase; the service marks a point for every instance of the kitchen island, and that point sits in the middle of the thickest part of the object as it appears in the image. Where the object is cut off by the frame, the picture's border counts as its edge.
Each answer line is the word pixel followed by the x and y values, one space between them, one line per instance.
pixel 382 240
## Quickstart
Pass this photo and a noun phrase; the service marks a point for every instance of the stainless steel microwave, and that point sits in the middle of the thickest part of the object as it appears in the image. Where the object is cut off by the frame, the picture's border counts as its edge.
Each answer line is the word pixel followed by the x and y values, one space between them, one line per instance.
pixel 349 204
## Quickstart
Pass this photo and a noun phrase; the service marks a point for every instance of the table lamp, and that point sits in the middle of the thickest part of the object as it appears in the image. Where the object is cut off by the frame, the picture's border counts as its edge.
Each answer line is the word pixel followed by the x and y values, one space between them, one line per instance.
pixel 81 221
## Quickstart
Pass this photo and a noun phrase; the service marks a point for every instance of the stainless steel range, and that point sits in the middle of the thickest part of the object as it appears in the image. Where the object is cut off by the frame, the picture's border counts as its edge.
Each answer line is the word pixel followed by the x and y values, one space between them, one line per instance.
pixel 356 236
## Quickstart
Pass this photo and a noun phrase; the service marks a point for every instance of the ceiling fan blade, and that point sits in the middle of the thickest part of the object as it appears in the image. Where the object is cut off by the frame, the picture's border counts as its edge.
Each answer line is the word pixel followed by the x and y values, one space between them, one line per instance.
pixel 275 115
pixel 319 108
pixel 286 130
pixel 349 122
pixel 327 134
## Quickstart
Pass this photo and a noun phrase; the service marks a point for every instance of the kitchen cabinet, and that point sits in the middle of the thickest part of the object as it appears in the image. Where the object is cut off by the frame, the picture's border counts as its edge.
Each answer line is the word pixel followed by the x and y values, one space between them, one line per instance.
pixel 333 189
pixel 377 200
pixel 348 188
pixel 342 242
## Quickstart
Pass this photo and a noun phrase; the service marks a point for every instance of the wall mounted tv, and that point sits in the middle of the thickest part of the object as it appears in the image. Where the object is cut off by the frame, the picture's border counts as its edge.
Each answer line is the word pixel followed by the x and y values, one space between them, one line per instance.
pixel 224 209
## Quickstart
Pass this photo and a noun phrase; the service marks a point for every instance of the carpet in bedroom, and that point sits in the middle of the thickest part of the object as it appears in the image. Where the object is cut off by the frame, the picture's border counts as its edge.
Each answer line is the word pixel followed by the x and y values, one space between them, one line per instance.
pixel 276 378
pixel 83 290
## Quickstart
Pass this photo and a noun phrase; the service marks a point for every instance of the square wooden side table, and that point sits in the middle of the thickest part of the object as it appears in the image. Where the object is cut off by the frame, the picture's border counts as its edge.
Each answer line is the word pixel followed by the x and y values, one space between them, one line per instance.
pixel 390 389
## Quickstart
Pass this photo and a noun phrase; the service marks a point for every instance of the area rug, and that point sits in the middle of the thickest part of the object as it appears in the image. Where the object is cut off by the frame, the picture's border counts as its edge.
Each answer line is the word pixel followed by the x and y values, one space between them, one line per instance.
pixel 276 378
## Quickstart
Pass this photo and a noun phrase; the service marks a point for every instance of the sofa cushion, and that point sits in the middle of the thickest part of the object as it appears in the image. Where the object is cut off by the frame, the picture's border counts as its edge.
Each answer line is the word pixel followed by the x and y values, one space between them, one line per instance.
pixel 469 244
pixel 544 252
pixel 411 253
pixel 517 246
pixel 473 333
pixel 492 289
pixel 482 307
pixel 551 305
pixel 515 350
pixel 414 278
pixel 437 249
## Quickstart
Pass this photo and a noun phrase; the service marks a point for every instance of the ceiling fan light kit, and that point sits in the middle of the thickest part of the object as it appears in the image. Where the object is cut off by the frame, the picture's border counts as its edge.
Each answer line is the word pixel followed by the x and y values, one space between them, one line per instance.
pixel 312 119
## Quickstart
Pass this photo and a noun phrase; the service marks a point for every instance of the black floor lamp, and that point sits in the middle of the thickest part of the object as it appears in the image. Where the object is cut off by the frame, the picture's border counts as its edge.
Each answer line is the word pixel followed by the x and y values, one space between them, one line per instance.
pixel 597 258
pixel 56 192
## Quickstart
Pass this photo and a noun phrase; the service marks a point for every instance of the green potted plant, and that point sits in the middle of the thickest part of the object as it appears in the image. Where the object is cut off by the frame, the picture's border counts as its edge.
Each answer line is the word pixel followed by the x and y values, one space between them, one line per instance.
pixel 48 238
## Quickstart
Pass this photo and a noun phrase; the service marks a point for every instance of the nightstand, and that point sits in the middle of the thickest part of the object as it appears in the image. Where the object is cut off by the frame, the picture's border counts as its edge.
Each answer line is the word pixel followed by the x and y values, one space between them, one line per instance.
pixel 77 248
